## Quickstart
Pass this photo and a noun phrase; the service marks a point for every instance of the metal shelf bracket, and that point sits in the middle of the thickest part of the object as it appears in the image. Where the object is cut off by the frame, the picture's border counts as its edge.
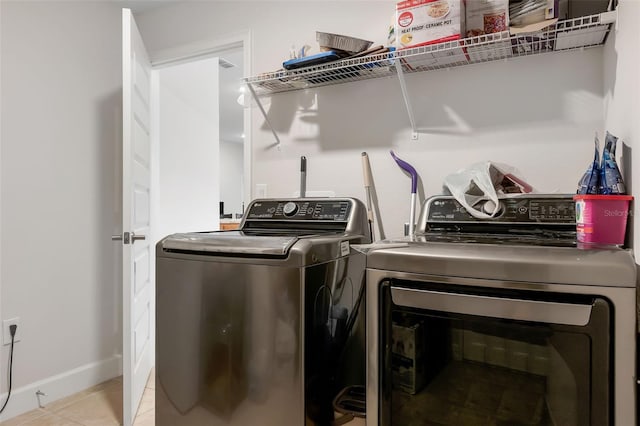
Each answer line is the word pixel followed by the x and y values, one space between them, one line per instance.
pixel 407 101
pixel 264 113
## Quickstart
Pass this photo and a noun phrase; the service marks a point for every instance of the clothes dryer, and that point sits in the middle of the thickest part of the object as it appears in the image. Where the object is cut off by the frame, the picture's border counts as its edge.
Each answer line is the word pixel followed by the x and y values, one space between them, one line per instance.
pixel 504 320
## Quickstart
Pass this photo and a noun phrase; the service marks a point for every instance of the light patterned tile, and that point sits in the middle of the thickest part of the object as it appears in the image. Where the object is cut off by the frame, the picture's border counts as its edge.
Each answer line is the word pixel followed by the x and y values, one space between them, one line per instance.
pixel 103 408
pixel 145 419
pixel 151 382
pixel 49 419
pixel 23 418
pixel 66 401
pixel 71 399
pixel 147 402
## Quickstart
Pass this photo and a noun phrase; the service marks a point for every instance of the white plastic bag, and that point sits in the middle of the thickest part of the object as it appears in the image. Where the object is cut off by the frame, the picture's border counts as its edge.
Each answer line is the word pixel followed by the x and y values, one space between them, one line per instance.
pixel 484 181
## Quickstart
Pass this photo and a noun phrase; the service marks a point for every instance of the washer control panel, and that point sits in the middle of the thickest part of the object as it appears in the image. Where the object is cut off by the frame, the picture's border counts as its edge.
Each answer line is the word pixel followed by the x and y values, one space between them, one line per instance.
pixel 300 210
pixel 521 209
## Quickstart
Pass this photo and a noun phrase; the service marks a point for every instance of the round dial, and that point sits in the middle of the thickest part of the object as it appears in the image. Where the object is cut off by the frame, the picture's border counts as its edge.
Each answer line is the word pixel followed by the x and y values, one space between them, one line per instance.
pixel 290 209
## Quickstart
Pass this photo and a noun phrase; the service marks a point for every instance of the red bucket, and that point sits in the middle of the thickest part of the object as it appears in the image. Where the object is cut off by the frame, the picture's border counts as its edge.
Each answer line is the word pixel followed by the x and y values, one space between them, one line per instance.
pixel 602 219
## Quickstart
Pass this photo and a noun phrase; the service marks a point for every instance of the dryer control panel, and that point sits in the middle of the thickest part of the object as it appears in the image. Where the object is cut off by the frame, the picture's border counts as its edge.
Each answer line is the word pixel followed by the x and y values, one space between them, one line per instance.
pixel 300 210
pixel 533 219
pixel 525 209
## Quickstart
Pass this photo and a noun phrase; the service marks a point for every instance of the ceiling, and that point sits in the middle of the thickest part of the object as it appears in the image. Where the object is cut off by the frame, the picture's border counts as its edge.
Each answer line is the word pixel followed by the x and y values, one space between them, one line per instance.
pixel 141 6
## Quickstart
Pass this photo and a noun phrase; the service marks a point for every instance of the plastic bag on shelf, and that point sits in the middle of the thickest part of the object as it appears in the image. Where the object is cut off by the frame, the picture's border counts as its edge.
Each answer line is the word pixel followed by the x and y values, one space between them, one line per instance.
pixel 484 181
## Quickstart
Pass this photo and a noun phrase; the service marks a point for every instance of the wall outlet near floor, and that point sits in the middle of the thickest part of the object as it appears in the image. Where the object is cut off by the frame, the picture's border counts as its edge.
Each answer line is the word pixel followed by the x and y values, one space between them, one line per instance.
pixel 6 333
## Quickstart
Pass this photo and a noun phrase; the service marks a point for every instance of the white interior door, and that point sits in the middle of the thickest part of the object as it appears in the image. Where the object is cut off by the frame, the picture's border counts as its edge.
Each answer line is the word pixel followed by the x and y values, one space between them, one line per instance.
pixel 137 250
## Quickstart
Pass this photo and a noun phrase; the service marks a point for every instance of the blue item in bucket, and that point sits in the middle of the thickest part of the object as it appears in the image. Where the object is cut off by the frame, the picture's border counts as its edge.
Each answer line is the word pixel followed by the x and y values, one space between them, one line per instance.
pixel 611 182
pixel 590 182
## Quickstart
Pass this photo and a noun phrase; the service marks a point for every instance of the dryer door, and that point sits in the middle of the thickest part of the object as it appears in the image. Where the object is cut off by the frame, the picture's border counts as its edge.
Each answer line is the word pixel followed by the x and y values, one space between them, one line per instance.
pixel 483 356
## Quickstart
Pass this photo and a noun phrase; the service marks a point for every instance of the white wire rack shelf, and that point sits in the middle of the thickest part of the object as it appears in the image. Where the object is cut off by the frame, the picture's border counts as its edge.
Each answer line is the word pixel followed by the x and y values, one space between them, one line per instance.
pixel 578 33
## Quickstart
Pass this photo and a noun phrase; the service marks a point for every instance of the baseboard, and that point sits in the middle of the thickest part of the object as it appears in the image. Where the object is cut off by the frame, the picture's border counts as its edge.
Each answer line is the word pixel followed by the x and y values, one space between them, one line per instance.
pixel 59 386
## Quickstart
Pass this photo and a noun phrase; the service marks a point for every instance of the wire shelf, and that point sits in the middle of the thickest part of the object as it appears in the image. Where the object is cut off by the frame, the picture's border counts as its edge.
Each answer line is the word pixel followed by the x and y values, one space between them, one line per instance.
pixel 578 33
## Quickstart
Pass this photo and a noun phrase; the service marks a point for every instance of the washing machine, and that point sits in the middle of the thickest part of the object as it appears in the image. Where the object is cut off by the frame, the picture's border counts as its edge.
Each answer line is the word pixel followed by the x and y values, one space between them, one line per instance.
pixel 263 325
pixel 506 320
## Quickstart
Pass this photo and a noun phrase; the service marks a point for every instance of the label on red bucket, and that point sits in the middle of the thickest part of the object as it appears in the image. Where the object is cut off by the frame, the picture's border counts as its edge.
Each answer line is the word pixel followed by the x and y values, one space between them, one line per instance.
pixel 601 220
pixel 583 223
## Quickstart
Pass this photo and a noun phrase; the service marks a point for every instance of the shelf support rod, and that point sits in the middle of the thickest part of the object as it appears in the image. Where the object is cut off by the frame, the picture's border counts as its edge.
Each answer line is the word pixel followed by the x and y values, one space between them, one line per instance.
pixel 264 113
pixel 407 101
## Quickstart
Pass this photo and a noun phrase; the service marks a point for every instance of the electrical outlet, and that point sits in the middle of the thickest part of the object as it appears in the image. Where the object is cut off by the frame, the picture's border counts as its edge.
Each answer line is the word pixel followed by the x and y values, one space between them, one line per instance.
pixel 6 333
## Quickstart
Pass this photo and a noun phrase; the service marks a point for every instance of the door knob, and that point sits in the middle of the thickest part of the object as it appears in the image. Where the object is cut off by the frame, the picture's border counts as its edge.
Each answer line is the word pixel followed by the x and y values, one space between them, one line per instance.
pixel 135 237
pixel 124 237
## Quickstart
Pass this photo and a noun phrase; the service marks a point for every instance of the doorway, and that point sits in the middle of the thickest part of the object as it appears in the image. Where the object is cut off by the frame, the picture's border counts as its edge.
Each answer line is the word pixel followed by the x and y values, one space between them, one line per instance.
pixel 200 144
pixel 188 148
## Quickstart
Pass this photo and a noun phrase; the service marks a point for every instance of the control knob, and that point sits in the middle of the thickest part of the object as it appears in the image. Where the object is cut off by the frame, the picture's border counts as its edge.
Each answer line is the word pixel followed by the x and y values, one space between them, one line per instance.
pixel 489 207
pixel 290 209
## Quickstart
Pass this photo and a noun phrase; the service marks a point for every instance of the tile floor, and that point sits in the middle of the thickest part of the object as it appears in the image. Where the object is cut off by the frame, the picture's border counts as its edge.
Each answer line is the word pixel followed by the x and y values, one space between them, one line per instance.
pixel 100 405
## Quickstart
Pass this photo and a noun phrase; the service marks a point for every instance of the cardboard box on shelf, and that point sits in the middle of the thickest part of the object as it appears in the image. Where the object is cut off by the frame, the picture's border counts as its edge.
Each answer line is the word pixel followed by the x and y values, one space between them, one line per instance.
pixel 486 17
pixel 407 356
pixel 423 22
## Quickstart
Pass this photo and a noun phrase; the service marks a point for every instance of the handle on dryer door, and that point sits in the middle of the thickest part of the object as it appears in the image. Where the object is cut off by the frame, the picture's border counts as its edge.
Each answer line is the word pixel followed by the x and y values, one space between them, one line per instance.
pixel 493 307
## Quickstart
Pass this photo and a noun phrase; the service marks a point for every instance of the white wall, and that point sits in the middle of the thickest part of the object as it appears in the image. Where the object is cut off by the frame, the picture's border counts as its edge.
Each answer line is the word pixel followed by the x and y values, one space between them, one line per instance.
pixel 622 93
pixel 189 164
pixel 2 372
pixel 537 114
pixel 61 125
pixel 60 137
pixel 231 176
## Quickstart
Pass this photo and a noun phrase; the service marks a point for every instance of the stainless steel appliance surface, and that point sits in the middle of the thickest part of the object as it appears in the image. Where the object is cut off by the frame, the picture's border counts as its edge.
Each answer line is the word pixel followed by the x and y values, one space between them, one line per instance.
pixel 500 321
pixel 263 325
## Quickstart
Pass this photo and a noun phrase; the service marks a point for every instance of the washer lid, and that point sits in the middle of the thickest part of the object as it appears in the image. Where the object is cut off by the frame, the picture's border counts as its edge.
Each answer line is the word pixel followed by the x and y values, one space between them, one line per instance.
pixel 229 242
